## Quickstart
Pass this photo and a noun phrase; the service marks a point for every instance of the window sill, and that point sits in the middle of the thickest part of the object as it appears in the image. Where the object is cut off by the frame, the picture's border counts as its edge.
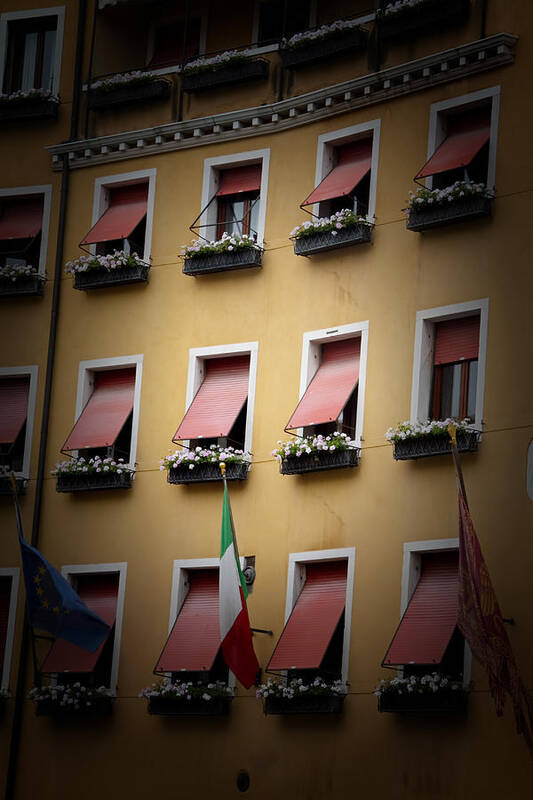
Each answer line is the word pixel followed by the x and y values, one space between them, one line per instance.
pixel 47 708
pixel 244 258
pixel 433 13
pixel 332 46
pixel 105 278
pixel 98 100
pixel 424 704
pixel 308 704
pixel 323 242
pixel 25 286
pixel 177 707
pixel 426 446
pixel 206 473
pixel 93 481
pixel 5 486
pixel 256 69
pixel 317 462
pixel 459 211
pixel 32 108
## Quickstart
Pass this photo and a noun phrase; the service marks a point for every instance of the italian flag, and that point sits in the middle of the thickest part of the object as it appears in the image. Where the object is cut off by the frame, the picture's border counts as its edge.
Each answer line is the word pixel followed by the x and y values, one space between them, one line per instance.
pixel 235 633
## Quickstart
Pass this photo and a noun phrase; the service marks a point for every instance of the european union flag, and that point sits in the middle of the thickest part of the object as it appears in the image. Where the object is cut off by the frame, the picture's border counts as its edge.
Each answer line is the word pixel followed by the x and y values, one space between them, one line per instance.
pixel 53 605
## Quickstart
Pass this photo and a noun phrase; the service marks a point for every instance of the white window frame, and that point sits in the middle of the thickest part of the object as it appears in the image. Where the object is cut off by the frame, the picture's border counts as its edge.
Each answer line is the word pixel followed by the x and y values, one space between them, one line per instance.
pixel 71 571
pixel 325 157
pixel 34 13
pixel 86 371
pixel 102 195
pixel 311 348
pixel 296 581
pixel 412 560
pixel 437 131
pixel 170 18
pixel 196 375
pixel 210 183
pixel 424 348
pixel 5 668
pixel 32 372
pixel 46 192
pixel 255 21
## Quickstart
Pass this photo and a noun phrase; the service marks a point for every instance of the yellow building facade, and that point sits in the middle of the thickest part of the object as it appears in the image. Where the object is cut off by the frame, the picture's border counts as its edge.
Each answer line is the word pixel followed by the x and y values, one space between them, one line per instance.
pixel 164 149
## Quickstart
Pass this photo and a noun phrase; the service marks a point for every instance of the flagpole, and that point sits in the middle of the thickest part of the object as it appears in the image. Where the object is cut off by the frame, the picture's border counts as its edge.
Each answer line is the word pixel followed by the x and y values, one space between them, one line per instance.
pixel 452 430
pixel 223 471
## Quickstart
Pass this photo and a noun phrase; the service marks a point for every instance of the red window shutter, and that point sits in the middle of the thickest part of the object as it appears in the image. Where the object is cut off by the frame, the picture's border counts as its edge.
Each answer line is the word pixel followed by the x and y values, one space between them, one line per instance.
pixel 13 407
pixel 354 161
pixel 331 385
pixel 194 640
pixel 456 339
pixel 107 410
pixel 313 620
pixel 240 179
pixel 5 599
pixel 431 616
pixel 219 399
pixel 467 134
pixel 99 592
pixel 21 219
pixel 127 207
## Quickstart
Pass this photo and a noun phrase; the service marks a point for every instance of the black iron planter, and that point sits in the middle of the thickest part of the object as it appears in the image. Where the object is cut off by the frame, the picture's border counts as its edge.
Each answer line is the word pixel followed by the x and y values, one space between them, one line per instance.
pixel 322 242
pixel 206 473
pixel 328 47
pixel 31 108
pixel 99 708
pixel 460 210
pixel 243 258
pixel 304 704
pixel 317 462
pixel 429 15
pixel 196 707
pixel 104 278
pixel 93 481
pixel 425 704
pixel 223 76
pixel 100 100
pixel 25 286
pixel 6 488
pixel 430 445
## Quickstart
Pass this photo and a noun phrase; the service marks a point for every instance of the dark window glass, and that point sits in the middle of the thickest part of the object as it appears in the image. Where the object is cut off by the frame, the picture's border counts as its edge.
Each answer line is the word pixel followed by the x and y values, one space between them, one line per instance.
pixel 454 390
pixel 271 15
pixel 20 252
pixel 30 54
pixel 238 215
pixel 168 43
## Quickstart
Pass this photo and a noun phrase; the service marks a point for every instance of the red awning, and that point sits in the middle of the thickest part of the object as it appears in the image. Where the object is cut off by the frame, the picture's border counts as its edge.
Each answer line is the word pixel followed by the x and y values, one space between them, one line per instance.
pixel 456 339
pixel 99 592
pixel 5 600
pixel 194 640
pixel 431 616
pixel 127 207
pixel 354 161
pixel 313 620
pixel 107 410
pixel 219 399
pixel 331 385
pixel 240 179
pixel 21 219
pixel 13 407
pixel 467 134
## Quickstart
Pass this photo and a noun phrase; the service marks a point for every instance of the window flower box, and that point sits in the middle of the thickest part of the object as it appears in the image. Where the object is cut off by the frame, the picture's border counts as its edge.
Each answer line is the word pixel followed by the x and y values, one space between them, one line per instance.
pixel 126 89
pixel 222 70
pixel 406 17
pixel 101 272
pixel 327 41
pixel 81 475
pixel 431 694
pixel 72 701
pixel 299 456
pixel 430 438
pixel 18 281
pixel 297 697
pixel 342 229
pixel 228 253
pixel 34 104
pixel 188 699
pixel 202 465
pixel 433 208
pixel 6 488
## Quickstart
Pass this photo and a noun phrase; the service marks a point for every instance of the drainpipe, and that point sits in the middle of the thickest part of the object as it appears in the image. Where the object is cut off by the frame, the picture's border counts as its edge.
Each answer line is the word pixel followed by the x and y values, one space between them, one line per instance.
pixel 90 75
pixel 16 728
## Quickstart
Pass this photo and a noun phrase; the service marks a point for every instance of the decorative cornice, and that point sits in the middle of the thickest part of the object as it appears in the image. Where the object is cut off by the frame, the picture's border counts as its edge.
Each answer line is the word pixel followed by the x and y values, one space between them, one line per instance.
pixel 413 76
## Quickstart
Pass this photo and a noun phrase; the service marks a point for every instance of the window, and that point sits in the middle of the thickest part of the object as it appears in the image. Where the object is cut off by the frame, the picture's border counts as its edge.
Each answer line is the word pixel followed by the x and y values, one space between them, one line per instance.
pixel 220 397
pixel 449 362
pixel 427 638
pixel 462 140
pixel 32 43
pixel 275 19
pixel 18 387
pixel 24 220
pixel 9 579
pixel 123 214
pixel 107 409
pixel 234 195
pixel 101 587
pixel 168 46
pixel 316 637
pixel 332 382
